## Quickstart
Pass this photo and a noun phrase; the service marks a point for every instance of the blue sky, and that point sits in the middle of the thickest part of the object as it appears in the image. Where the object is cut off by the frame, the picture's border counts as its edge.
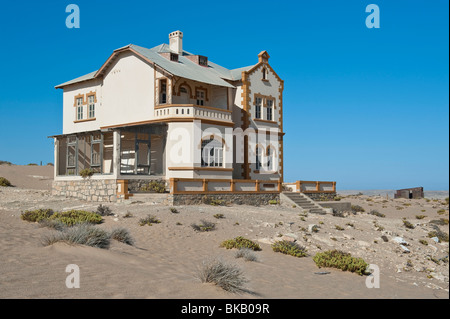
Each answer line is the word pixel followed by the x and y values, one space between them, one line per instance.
pixel 368 108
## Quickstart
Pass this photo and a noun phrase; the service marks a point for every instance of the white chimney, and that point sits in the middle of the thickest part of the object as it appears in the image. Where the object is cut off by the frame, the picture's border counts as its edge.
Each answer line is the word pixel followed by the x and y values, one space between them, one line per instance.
pixel 176 42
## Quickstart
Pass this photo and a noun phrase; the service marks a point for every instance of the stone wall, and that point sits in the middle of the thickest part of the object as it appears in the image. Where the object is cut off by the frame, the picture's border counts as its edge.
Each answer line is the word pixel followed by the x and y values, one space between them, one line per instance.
pixel 135 185
pixel 321 197
pixel 223 199
pixel 88 189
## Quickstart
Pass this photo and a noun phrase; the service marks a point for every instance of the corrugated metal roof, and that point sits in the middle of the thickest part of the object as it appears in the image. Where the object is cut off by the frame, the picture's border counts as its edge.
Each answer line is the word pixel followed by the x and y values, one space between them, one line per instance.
pixel 213 74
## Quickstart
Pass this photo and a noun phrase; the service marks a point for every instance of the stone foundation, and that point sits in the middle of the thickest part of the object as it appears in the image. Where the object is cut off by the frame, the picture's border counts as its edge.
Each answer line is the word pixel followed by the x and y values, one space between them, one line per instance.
pixel 88 189
pixel 223 199
pixel 321 197
pixel 135 185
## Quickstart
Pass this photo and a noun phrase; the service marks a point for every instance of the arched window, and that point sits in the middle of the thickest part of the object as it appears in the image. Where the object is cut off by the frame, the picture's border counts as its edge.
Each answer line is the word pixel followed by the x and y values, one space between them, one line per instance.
pixel 258 157
pixel 212 153
pixel 269 159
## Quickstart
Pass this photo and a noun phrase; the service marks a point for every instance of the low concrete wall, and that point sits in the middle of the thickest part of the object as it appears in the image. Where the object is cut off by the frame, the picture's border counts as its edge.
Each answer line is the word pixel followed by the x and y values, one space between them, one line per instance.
pixel 338 206
pixel 227 199
pixel 89 189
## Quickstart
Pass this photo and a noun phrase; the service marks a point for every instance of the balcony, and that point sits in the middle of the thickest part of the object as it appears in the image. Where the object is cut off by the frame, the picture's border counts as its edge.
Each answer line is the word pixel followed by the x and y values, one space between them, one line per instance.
pixel 198 112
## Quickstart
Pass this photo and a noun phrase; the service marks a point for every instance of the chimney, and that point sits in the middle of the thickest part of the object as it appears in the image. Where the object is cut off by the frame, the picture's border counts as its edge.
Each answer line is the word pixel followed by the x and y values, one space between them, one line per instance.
pixel 176 42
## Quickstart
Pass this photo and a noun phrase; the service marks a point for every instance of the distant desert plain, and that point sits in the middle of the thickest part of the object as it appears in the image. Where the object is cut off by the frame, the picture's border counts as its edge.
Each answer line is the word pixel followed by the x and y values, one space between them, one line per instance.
pixel 164 259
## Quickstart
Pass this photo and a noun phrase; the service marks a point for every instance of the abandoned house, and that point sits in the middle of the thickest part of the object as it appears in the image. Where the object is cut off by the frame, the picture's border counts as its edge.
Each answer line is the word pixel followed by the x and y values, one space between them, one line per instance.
pixel 164 113
pixel 410 193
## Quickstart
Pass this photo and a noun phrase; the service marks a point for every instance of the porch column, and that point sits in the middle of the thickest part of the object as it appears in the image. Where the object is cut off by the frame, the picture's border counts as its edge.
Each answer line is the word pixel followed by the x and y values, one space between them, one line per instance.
pixel 116 153
pixel 56 157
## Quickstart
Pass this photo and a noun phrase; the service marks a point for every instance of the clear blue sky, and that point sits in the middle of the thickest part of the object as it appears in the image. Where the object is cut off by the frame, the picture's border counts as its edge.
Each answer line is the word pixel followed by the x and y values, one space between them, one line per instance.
pixel 368 108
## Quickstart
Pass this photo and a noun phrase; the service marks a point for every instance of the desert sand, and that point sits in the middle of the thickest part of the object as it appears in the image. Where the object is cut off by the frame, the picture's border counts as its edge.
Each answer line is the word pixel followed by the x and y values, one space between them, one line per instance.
pixel 163 261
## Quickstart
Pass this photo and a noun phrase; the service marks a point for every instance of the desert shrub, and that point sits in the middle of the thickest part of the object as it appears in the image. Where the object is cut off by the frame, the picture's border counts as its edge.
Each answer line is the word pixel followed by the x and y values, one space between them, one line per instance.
pixel 227 276
pixel 157 186
pixel 376 213
pixel 273 202
pixel 4 182
pixel 204 226
pixel 247 254
pixel 441 211
pixel 5 162
pixel 407 224
pixel 420 216
pixel 83 234
pixel 423 242
pixel 73 217
pixel 87 172
pixel 122 235
pixel 440 221
pixel 447 200
pixel 358 209
pixel 53 224
pixel 289 248
pixel 219 216
pixel 173 210
pixel 338 227
pixel 340 260
pixel 149 220
pixel 32 164
pixel 337 213
pixel 439 234
pixel 36 215
pixel 104 210
pixel 337 198
pixel 128 215
pixel 217 202
pixel 240 242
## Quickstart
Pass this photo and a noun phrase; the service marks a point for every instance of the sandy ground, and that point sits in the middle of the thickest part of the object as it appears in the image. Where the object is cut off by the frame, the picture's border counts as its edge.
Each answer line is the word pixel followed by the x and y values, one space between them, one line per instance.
pixel 165 257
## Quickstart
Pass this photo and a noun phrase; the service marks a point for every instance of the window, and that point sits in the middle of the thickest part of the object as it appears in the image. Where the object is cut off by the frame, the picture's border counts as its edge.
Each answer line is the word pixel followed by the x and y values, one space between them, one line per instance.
pixel 173 57
pixel 203 61
pixel 258 102
pixel 163 92
pixel 269 159
pixel 212 153
pixel 258 158
pixel 91 104
pixel 201 97
pixel 269 110
pixel 264 74
pixel 96 145
pixel 183 89
pixel 79 108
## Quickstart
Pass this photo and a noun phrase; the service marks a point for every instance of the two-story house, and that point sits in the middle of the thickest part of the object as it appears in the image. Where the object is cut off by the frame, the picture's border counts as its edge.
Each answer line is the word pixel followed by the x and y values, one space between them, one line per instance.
pixel 169 114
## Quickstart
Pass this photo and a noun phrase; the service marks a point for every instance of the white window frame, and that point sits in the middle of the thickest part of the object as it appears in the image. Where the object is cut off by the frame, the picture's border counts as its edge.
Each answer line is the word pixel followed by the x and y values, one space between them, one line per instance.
pixel 269 104
pixel 91 104
pixel 200 95
pixel 80 112
pixel 258 106
pixel 212 153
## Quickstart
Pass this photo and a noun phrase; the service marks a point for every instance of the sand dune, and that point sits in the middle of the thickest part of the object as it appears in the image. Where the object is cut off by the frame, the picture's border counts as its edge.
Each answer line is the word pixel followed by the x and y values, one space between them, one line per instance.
pixel 163 261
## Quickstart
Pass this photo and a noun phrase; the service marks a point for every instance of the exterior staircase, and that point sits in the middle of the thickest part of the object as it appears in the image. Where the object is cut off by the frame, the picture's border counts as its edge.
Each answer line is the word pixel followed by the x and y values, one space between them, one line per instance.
pixel 305 202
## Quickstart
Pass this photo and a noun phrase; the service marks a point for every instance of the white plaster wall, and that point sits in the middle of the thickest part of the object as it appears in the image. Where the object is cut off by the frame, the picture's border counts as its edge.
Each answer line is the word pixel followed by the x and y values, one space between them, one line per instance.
pixel 125 95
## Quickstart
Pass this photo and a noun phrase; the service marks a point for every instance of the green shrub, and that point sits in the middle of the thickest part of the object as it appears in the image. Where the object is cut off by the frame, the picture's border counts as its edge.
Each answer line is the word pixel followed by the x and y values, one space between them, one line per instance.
pixel 340 260
pixel 439 234
pixel 423 242
pixel 87 172
pixel 240 242
pixel 173 210
pixel 36 215
pixel 73 217
pixel 447 200
pixel 4 182
pixel 358 209
pixel 219 216
pixel 273 202
pixel 338 227
pixel 83 234
pixel 440 221
pixel 157 186
pixel 122 235
pixel 376 213
pixel 149 220
pixel 441 211
pixel 289 248
pixel 204 226
pixel 407 224
pixel 420 216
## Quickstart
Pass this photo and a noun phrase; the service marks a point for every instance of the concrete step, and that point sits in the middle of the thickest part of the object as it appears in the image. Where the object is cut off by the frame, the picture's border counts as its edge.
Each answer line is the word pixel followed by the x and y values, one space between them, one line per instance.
pixel 305 202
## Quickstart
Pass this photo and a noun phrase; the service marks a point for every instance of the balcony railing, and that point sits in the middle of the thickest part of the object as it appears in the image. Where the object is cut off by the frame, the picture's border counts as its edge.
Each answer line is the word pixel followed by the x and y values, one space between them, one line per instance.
pixel 192 111
pixel 312 187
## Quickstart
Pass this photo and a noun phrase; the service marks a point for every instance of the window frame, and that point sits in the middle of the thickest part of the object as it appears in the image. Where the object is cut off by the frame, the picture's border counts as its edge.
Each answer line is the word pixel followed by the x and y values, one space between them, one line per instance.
pixel 215 156
pixel 79 108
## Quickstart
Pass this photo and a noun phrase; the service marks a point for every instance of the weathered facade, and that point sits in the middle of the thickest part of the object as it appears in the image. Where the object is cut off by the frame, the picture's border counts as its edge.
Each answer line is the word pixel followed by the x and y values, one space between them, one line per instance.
pixel 164 113
pixel 410 193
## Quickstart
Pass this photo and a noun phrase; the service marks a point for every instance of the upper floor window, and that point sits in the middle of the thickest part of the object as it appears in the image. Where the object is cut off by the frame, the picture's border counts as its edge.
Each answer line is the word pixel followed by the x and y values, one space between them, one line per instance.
pixel 163 92
pixel 258 102
pixel 91 105
pixel 201 97
pixel 269 104
pixel 79 103
pixel 264 74
pixel 203 61
pixel 212 153
pixel 174 57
